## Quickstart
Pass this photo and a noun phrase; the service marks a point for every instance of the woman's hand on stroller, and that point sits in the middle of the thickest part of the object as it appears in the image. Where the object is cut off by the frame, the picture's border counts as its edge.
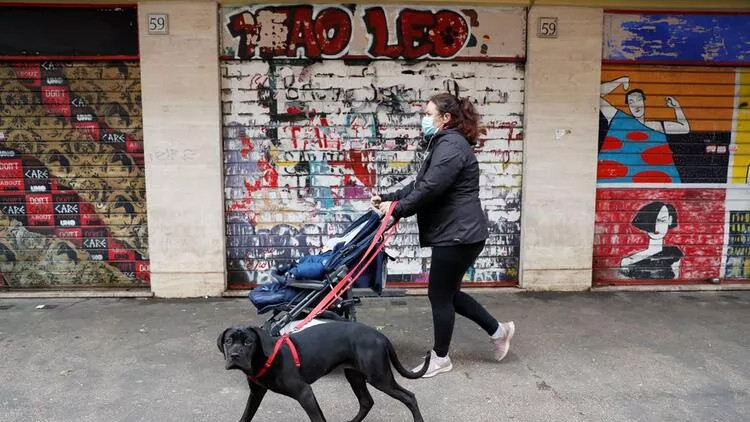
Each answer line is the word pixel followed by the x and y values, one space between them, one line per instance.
pixel 384 206
pixel 375 201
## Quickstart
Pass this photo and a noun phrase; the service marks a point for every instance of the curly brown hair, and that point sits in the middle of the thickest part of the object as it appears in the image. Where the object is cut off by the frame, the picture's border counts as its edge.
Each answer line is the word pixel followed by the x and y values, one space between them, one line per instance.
pixel 464 116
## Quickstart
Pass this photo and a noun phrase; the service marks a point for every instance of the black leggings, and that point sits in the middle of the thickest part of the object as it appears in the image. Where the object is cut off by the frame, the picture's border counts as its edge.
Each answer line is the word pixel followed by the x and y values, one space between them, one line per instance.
pixel 449 264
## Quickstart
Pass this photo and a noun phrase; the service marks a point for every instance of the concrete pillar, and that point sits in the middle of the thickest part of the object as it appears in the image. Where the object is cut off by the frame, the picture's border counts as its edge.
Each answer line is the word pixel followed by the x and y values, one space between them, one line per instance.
pixel 182 142
pixel 560 149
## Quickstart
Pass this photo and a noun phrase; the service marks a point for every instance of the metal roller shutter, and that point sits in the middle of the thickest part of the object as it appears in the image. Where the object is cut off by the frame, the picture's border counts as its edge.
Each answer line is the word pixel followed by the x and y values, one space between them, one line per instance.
pixel 72 186
pixel 321 107
pixel 674 148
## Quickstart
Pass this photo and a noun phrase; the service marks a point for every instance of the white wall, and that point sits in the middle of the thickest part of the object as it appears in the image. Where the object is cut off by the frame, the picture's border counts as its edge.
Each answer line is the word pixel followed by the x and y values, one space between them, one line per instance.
pixel 559 178
pixel 182 143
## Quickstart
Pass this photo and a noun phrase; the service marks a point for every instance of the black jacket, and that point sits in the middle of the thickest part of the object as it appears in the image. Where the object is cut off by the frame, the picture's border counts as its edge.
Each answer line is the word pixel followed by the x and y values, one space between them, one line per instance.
pixel 445 194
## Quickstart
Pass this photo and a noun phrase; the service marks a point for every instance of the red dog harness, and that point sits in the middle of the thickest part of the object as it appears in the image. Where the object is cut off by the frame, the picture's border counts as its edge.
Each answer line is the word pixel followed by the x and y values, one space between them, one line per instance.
pixel 276 349
pixel 335 293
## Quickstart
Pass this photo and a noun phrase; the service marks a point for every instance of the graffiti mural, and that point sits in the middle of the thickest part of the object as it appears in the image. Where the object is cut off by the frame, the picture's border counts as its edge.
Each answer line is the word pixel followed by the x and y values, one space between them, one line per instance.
pixel 677 38
pixel 659 234
pixel 736 225
pixel 337 31
pixel 306 143
pixel 673 149
pixel 72 188
pixel 665 125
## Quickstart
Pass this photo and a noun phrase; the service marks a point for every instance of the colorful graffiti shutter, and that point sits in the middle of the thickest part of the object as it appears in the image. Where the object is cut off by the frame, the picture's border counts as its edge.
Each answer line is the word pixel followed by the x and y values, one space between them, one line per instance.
pixel 322 106
pixel 72 188
pixel 673 202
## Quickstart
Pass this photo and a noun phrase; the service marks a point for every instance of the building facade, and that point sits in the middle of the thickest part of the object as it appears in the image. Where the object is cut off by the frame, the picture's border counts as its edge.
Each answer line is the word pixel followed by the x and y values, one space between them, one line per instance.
pixel 186 148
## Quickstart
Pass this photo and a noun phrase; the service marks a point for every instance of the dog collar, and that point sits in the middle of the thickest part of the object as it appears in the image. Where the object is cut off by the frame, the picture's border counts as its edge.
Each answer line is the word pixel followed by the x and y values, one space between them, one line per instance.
pixel 284 339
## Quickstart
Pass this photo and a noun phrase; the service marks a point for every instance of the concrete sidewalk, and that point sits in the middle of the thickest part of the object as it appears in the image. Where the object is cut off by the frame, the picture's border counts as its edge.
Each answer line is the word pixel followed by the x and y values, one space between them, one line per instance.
pixel 576 357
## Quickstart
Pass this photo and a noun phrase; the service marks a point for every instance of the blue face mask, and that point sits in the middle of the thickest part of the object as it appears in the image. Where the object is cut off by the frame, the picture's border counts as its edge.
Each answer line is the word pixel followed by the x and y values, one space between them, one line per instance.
pixel 428 126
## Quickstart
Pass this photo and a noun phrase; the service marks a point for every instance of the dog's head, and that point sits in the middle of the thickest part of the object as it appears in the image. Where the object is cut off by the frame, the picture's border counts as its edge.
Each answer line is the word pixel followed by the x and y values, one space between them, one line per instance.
pixel 240 345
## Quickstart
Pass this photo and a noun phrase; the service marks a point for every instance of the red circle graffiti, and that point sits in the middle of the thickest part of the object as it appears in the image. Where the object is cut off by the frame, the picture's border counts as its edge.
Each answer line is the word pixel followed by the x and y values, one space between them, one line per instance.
pixel 611 169
pixel 611 143
pixel 658 155
pixel 637 135
pixel 449 33
pixel 652 176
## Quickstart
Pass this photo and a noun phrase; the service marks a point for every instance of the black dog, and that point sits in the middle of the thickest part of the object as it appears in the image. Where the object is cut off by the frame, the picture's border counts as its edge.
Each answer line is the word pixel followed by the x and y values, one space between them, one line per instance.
pixel 366 354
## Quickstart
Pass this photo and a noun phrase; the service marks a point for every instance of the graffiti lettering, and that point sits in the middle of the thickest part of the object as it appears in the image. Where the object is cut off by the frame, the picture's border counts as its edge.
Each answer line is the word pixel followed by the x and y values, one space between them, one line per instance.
pixel 172 154
pixel 9 166
pixel 14 209
pixel 37 200
pixel 113 138
pixel 420 34
pixel 291 32
pixel 36 174
pixel 66 208
pixel 95 243
pixel 54 93
pixel 296 31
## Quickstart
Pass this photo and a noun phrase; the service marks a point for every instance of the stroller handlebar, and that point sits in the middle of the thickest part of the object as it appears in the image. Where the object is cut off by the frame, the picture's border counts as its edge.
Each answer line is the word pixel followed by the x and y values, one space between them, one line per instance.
pixel 391 221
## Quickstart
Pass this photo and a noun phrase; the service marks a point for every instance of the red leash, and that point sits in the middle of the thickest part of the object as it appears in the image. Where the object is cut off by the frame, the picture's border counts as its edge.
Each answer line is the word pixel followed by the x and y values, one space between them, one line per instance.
pixel 334 294
pixel 276 349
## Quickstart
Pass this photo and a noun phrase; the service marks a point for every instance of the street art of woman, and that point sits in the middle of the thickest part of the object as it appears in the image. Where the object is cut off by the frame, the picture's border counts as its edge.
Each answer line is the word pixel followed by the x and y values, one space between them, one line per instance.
pixel 657 261
pixel 635 149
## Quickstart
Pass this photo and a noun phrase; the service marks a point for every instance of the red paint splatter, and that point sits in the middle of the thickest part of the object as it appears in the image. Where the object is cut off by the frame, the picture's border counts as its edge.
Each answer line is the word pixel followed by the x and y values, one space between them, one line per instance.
pixel 611 169
pixel 247 146
pixel 270 175
pixel 360 168
pixel 611 144
pixel 658 155
pixel 637 135
pixel 652 176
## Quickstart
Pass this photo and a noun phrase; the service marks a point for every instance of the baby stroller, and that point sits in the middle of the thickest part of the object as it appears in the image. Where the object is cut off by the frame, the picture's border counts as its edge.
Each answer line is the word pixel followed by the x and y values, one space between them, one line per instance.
pixel 321 284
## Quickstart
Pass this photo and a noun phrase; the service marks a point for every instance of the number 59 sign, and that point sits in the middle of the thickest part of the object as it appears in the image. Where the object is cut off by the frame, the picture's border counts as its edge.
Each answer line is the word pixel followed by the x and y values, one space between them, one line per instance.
pixel 158 24
pixel 547 28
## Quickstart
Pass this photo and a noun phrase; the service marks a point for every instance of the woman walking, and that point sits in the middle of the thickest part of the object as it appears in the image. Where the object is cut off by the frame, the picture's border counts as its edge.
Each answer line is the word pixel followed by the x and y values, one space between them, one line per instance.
pixel 445 198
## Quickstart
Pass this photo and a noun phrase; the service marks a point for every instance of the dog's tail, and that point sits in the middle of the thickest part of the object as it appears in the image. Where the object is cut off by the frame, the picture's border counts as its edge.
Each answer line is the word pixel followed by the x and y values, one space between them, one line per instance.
pixel 400 368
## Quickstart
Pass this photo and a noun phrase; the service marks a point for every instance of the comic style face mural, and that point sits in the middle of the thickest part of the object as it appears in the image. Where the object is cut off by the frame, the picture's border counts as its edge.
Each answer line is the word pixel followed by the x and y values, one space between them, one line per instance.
pixel 657 261
pixel 664 235
pixel 673 141
pixel 72 188
pixel 312 128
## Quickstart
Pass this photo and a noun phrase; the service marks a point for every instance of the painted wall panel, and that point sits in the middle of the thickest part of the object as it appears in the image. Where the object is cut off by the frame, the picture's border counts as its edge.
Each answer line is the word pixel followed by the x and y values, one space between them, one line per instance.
pixel 673 150
pixel 661 124
pixel 391 32
pixel 675 37
pixel 72 188
pixel 658 234
pixel 298 170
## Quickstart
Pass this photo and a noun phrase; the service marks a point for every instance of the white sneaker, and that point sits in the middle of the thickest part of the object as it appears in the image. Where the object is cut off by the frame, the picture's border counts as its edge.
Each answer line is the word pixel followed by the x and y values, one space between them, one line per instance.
pixel 438 365
pixel 502 344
